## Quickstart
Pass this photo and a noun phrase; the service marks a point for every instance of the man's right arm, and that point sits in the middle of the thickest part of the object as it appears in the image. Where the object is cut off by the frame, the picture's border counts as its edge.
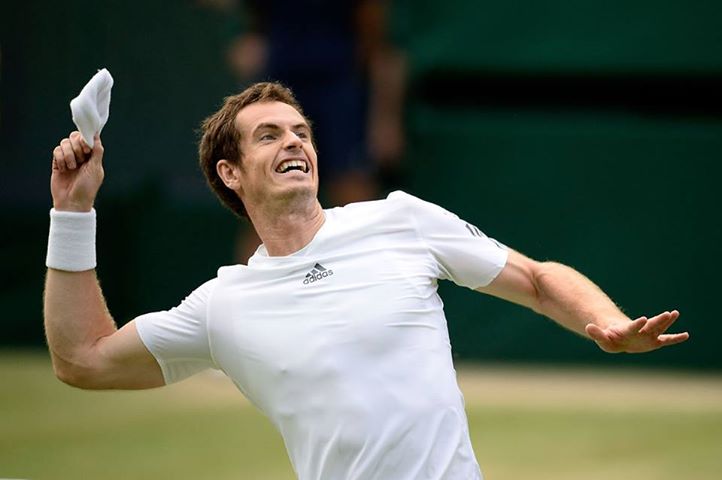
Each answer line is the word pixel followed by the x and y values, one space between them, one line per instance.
pixel 87 349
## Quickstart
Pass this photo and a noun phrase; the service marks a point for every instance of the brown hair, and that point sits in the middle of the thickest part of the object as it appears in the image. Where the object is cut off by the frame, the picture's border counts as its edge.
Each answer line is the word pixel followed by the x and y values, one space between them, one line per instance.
pixel 221 139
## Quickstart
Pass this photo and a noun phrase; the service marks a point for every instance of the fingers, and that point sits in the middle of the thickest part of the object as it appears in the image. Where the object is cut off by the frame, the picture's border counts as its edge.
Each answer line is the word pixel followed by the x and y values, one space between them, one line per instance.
pixel 660 323
pixel 64 157
pixel 68 154
pixel 80 148
pixel 58 162
pixel 637 325
pixel 672 339
pixel 615 338
pixel 640 335
pixel 73 152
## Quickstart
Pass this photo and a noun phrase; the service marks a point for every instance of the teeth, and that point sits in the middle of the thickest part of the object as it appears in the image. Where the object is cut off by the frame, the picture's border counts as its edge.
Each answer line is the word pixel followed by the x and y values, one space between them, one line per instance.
pixel 288 164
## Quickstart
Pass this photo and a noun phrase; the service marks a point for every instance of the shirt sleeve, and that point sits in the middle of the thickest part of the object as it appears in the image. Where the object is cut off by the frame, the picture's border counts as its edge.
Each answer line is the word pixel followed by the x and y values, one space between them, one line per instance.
pixel 178 338
pixel 463 253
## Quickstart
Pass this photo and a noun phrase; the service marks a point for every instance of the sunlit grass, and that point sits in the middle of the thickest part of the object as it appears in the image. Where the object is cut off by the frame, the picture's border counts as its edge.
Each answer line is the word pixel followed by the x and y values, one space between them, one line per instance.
pixel 524 424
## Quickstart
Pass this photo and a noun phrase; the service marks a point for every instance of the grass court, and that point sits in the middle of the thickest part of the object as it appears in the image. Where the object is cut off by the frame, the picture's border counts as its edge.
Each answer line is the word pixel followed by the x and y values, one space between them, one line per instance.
pixel 545 423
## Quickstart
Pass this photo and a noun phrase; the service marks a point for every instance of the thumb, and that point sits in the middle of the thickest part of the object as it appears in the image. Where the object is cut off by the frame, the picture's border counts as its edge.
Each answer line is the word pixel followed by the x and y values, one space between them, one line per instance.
pixel 595 332
pixel 96 155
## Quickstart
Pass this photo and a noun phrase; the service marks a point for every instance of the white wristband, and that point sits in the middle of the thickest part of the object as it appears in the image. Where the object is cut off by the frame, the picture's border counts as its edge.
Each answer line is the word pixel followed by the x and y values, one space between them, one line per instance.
pixel 71 242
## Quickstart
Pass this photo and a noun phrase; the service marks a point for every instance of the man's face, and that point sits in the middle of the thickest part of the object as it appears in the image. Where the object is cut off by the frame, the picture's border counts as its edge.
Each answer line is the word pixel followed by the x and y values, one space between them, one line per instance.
pixel 278 159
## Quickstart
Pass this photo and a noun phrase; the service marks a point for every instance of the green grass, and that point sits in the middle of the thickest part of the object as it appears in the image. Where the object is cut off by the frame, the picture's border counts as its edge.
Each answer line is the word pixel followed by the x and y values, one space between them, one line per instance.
pixel 597 445
pixel 524 424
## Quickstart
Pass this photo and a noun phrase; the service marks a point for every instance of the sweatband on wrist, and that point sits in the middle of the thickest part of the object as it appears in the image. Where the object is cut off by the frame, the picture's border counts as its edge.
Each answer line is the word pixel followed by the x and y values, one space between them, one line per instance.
pixel 71 242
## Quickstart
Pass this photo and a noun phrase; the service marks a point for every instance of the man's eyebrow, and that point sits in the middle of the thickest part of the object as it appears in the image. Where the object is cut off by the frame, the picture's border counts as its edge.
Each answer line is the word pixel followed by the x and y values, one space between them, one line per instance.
pixel 266 126
pixel 273 126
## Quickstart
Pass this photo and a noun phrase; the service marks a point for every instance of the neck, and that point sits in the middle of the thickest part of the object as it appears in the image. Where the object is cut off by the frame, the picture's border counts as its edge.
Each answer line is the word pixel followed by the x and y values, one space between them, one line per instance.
pixel 289 230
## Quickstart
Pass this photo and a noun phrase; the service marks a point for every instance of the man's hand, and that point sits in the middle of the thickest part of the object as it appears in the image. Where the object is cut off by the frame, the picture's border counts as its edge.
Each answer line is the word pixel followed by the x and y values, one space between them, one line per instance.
pixel 77 173
pixel 641 335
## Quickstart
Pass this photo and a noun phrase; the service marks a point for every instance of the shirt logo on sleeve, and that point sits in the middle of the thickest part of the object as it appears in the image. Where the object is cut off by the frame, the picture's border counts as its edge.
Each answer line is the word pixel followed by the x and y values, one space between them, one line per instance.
pixel 317 273
pixel 475 231
pixel 478 233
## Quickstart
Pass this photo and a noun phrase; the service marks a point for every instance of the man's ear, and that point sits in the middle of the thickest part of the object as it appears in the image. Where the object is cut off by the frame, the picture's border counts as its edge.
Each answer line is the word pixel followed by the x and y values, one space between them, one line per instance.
pixel 229 173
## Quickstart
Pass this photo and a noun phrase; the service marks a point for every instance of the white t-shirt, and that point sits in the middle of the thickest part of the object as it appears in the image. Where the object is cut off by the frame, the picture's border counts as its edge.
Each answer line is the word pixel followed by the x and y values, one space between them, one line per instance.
pixel 344 344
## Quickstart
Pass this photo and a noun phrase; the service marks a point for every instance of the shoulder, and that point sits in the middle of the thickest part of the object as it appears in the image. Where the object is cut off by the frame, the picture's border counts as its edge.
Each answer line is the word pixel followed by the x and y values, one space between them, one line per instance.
pixel 196 300
pixel 397 202
pixel 402 198
pixel 398 211
pixel 393 212
pixel 421 214
pixel 206 288
pixel 414 204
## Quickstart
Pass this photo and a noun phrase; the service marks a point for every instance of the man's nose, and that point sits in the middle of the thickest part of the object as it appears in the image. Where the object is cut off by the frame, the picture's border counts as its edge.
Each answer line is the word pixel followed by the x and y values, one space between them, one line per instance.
pixel 291 140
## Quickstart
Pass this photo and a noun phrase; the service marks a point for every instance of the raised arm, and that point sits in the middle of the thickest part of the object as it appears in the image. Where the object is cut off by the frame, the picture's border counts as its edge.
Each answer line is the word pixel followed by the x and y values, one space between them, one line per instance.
pixel 87 349
pixel 573 301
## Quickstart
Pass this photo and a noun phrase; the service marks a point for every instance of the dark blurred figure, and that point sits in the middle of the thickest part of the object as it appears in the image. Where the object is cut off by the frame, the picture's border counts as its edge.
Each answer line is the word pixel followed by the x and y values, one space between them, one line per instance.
pixel 337 58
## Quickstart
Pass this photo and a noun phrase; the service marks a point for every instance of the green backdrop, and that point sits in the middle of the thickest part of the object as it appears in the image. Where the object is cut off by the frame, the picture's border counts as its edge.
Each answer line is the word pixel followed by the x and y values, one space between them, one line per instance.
pixel 628 197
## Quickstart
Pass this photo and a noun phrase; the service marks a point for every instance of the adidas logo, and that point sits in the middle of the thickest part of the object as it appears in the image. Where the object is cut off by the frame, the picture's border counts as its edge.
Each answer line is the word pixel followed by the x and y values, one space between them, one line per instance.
pixel 318 272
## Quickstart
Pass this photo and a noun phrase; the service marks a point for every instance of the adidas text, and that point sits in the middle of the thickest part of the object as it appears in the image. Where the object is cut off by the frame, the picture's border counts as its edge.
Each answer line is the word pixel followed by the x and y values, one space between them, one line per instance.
pixel 318 272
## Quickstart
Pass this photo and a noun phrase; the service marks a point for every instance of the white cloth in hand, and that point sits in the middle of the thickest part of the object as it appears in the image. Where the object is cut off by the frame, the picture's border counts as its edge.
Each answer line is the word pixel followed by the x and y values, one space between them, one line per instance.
pixel 91 108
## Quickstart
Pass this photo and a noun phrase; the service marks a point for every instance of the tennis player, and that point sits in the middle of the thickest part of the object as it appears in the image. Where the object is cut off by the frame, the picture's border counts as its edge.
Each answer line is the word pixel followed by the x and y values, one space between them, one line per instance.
pixel 334 329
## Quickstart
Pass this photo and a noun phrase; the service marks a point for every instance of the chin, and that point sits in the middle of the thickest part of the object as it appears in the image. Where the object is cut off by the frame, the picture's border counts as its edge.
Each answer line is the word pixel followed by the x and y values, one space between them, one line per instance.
pixel 300 191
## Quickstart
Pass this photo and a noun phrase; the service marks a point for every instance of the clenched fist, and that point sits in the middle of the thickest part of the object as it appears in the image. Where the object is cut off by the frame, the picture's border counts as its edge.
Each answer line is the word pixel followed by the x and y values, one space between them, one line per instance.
pixel 77 173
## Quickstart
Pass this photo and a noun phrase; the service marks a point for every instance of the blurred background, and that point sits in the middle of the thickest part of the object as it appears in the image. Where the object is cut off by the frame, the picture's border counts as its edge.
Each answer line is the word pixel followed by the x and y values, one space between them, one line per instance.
pixel 587 132
pixel 584 132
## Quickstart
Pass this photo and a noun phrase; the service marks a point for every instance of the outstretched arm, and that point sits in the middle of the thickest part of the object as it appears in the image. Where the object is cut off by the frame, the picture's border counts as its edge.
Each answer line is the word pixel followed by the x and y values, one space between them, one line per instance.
pixel 572 300
pixel 86 348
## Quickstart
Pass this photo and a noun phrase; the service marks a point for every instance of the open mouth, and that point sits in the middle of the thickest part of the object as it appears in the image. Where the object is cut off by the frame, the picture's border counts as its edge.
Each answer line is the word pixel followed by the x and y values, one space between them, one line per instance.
pixel 291 165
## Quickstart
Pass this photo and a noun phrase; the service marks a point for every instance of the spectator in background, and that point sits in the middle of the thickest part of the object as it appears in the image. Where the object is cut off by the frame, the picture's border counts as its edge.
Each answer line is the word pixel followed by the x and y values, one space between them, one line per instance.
pixel 337 58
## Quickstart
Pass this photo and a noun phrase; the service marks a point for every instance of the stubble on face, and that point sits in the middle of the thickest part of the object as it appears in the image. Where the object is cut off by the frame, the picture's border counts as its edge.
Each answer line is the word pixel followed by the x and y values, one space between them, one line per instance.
pixel 271 133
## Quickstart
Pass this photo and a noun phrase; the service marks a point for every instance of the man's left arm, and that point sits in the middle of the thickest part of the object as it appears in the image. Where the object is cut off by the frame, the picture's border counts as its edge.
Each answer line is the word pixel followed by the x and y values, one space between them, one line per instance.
pixel 575 302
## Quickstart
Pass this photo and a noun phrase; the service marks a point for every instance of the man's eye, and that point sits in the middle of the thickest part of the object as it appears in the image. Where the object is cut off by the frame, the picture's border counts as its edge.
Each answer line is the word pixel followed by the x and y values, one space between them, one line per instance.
pixel 302 134
pixel 267 136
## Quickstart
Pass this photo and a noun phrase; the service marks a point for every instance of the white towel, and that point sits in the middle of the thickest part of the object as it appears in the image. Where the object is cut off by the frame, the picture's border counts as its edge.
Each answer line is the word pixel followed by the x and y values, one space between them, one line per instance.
pixel 91 108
